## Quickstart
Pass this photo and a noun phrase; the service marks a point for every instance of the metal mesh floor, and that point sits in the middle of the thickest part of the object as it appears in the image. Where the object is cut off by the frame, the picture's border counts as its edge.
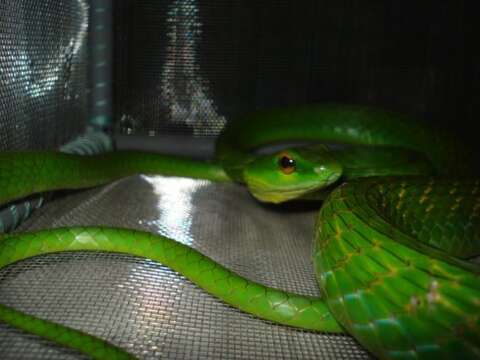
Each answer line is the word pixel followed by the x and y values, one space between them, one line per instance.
pixel 150 310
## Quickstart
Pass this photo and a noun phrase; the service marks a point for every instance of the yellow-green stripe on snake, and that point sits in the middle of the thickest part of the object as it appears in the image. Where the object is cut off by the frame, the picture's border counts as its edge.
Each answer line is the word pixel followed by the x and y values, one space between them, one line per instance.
pixel 389 239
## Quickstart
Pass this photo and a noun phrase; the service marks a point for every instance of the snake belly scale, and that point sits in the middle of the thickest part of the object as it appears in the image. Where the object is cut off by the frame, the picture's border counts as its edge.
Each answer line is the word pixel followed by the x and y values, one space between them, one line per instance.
pixel 392 239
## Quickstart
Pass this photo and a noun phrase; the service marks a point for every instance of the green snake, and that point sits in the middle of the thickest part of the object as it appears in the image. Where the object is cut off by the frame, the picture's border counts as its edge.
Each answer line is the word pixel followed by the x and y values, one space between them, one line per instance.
pixel 398 223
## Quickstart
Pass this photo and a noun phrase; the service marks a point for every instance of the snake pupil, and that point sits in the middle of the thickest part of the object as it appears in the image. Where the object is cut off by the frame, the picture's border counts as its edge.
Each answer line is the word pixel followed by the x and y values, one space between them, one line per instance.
pixel 287 164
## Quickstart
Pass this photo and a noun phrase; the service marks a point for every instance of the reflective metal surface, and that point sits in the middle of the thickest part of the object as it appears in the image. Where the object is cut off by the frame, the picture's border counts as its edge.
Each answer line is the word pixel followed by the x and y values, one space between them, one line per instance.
pixel 43 73
pixel 149 309
pixel 170 90
pixel 183 89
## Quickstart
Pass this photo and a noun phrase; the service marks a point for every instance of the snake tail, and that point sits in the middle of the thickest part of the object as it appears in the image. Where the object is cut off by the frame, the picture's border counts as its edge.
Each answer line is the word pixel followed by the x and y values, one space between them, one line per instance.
pixel 385 263
pixel 62 335
pixel 264 302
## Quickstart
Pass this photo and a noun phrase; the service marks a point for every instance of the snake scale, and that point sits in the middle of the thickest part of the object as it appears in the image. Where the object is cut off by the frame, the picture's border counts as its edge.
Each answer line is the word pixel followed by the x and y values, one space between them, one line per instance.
pixel 398 224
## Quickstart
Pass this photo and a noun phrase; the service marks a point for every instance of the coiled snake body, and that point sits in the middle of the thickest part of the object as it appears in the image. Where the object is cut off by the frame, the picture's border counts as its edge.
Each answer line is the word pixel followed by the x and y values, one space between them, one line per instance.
pixel 392 237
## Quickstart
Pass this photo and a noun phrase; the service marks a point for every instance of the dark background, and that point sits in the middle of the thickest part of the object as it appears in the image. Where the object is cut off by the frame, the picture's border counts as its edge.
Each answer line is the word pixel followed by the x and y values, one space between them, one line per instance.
pixel 416 57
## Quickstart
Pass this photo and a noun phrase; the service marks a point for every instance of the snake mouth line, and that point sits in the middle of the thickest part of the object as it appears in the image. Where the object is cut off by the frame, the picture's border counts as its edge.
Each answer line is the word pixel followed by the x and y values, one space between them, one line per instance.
pixel 277 195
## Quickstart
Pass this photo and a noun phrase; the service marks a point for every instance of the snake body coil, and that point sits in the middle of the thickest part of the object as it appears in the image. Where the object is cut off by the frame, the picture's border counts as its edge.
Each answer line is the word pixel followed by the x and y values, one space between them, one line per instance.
pixel 390 251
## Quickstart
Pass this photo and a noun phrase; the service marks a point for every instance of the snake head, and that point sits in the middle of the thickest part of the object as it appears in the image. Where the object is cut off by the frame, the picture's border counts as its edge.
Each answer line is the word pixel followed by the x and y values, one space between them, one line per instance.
pixel 291 174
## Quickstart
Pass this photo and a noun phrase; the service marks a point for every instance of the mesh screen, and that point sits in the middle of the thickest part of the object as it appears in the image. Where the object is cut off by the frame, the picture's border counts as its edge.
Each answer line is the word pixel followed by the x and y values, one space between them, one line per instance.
pixel 190 65
pixel 147 308
pixel 43 72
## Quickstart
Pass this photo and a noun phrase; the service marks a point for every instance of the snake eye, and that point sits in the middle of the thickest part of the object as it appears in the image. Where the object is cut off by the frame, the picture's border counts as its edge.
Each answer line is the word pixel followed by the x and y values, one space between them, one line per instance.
pixel 287 164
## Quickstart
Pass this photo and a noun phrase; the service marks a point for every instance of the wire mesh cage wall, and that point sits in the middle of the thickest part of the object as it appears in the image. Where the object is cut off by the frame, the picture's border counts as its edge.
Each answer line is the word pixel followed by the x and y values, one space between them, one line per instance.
pixel 43 72
pixel 190 64
pixel 187 67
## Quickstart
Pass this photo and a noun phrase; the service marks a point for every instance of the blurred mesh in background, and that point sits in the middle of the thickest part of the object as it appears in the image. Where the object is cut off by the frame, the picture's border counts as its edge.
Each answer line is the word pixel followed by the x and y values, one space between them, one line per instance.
pixel 188 65
pixel 43 72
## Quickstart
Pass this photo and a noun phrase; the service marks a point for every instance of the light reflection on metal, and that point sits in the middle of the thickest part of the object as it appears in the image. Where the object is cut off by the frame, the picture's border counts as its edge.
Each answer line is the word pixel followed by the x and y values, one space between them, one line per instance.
pixel 175 210
pixel 183 90
pixel 175 207
pixel 38 79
